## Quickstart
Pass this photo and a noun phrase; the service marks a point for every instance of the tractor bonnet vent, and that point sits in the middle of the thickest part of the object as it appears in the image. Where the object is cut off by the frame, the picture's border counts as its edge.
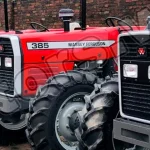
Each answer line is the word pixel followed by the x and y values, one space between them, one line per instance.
pixel 66 15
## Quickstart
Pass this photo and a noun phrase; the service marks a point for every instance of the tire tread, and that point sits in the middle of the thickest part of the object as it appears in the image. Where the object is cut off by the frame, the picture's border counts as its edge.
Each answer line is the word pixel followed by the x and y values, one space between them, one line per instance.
pixel 56 83
pixel 84 131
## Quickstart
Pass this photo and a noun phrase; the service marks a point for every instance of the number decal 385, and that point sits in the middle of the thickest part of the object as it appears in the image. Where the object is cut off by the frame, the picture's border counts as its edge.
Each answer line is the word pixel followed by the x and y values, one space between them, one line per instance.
pixel 40 45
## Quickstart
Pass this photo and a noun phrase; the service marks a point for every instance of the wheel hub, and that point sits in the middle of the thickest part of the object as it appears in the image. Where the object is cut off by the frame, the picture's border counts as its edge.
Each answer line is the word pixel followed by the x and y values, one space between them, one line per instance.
pixel 74 121
pixel 65 119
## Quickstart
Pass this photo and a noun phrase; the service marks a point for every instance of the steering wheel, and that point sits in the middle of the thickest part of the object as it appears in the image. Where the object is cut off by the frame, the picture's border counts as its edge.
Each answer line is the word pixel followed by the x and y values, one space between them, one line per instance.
pixel 112 21
pixel 34 24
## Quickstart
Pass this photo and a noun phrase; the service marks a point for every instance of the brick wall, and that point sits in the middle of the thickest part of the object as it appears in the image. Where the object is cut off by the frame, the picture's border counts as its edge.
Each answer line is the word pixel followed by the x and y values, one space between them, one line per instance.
pixel 46 11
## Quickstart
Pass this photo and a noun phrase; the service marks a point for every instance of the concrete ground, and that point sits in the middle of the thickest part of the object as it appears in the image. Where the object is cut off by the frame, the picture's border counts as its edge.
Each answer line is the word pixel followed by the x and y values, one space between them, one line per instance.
pixel 17 141
pixel 16 147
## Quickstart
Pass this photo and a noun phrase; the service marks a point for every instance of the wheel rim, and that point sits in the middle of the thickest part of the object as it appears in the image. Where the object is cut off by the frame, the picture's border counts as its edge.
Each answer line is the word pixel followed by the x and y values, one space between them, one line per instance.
pixel 73 103
pixel 15 126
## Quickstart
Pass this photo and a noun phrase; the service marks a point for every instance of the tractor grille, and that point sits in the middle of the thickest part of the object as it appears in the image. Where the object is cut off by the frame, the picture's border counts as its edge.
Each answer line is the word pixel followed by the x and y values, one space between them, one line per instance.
pixel 135 93
pixel 136 100
pixel 129 46
pixel 6 74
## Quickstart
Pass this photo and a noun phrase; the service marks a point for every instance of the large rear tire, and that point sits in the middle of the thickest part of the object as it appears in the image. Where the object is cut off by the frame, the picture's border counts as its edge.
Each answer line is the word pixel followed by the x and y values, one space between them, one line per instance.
pixel 96 118
pixel 54 105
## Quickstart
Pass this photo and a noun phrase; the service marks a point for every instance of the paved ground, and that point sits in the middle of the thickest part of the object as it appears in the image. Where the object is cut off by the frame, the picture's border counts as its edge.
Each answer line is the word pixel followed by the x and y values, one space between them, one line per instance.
pixel 16 147
pixel 17 140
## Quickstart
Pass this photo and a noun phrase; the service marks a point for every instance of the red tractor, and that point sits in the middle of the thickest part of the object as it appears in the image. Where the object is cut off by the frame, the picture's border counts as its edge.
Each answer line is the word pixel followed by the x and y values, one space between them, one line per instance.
pixel 83 57
pixel 116 114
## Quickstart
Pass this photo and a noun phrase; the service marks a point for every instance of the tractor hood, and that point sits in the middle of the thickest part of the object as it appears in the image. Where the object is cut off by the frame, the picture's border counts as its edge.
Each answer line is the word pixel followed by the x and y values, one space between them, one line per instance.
pixel 93 43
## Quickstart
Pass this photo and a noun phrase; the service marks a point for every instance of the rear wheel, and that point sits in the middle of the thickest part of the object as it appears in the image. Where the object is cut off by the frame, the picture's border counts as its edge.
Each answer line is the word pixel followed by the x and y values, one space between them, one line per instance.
pixel 53 112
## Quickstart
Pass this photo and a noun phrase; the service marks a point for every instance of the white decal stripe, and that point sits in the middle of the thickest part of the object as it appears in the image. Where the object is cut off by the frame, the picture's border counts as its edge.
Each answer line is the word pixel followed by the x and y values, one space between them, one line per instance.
pixel 71 44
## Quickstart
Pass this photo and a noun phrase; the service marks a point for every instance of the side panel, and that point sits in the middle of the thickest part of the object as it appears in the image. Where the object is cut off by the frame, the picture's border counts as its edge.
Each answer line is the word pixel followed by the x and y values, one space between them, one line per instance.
pixel 69 54
pixel 35 75
pixel 97 44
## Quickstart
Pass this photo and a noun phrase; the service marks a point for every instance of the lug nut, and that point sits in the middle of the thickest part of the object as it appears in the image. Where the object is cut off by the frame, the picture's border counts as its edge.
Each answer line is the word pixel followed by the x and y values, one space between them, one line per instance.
pixel 57 125
pixel 75 110
pixel 67 126
pixel 69 116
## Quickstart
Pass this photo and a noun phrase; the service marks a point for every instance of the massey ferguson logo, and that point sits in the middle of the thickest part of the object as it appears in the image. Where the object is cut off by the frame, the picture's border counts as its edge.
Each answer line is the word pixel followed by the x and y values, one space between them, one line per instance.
pixel 142 52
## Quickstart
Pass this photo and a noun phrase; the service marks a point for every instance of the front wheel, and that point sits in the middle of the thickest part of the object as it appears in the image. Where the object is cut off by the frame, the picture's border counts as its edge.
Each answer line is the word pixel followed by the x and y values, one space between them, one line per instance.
pixel 96 118
pixel 53 118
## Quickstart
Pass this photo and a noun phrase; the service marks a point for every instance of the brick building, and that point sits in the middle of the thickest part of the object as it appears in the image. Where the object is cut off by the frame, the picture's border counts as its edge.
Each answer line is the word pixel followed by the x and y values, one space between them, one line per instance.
pixel 46 11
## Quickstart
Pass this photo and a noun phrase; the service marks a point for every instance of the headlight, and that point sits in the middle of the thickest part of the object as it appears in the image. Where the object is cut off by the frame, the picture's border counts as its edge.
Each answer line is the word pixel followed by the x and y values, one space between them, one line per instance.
pixel 130 71
pixel 8 62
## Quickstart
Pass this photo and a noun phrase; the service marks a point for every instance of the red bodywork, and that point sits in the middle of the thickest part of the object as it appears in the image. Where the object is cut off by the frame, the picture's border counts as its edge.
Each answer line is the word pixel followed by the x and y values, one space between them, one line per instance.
pixel 13 32
pixel 40 64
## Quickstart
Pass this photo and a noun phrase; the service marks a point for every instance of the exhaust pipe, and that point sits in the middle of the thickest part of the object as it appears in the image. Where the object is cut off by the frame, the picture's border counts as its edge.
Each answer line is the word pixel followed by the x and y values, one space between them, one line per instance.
pixel 12 24
pixel 83 14
pixel 6 16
